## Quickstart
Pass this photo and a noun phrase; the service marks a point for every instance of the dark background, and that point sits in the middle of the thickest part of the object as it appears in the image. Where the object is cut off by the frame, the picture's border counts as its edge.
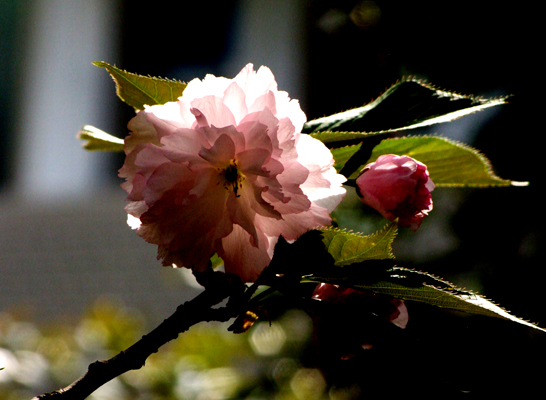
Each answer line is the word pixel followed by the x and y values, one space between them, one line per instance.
pixel 353 52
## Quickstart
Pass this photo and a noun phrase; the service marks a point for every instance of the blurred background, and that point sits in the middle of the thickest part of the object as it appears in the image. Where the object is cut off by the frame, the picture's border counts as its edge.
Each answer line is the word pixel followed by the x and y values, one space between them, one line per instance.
pixel 72 273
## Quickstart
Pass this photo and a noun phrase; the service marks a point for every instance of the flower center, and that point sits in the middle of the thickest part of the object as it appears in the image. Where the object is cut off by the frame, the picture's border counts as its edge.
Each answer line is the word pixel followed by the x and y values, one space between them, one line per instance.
pixel 234 178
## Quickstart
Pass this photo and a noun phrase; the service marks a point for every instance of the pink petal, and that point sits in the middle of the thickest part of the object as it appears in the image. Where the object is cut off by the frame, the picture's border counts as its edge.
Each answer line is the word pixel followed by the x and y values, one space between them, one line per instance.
pixel 241 257
pixel 221 153
pixel 214 110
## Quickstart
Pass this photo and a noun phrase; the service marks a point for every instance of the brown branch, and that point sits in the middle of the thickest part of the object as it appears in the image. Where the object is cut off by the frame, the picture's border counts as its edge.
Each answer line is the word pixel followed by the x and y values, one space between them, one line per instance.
pixel 218 287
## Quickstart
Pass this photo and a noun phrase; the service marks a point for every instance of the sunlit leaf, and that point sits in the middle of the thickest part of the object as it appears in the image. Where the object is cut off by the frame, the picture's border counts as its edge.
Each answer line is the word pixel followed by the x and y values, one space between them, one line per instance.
pixel 449 163
pixel 418 286
pixel 344 154
pixel 99 140
pixel 348 248
pixel 342 137
pixel 437 292
pixel 138 90
pixel 409 103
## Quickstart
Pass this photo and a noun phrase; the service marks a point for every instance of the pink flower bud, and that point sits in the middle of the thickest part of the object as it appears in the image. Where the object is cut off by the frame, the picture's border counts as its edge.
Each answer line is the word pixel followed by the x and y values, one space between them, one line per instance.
pixel 397 187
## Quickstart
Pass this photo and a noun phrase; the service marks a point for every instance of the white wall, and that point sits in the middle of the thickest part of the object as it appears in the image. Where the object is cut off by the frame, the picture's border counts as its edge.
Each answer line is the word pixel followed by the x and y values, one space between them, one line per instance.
pixel 61 91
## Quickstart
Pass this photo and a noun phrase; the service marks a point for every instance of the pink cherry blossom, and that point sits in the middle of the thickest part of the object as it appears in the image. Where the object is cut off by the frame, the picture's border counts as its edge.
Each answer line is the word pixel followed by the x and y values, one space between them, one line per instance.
pixel 225 169
pixel 397 187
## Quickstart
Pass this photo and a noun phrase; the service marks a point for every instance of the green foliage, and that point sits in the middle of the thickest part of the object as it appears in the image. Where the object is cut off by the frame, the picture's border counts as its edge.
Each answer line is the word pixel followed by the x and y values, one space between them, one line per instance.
pixel 99 140
pixel 347 247
pixel 343 154
pixel 408 104
pixel 449 163
pixel 335 138
pixel 416 286
pixel 366 266
pixel 138 90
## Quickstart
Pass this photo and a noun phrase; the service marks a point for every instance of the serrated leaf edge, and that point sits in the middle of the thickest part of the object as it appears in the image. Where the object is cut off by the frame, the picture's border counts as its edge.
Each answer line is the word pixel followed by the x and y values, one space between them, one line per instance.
pixel 384 230
pixel 424 83
pixel 358 136
pixel 107 66
pixel 476 152
pixel 99 64
pixel 496 310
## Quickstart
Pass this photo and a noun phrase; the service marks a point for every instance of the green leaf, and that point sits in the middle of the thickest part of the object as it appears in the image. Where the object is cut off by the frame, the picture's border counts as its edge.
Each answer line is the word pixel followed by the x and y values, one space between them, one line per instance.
pixel 409 103
pixel 418 286
pixel 348 248
pixel 137 90
pixel 449 163
pixel 344 154
pixel 328 137
pixel 99 140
